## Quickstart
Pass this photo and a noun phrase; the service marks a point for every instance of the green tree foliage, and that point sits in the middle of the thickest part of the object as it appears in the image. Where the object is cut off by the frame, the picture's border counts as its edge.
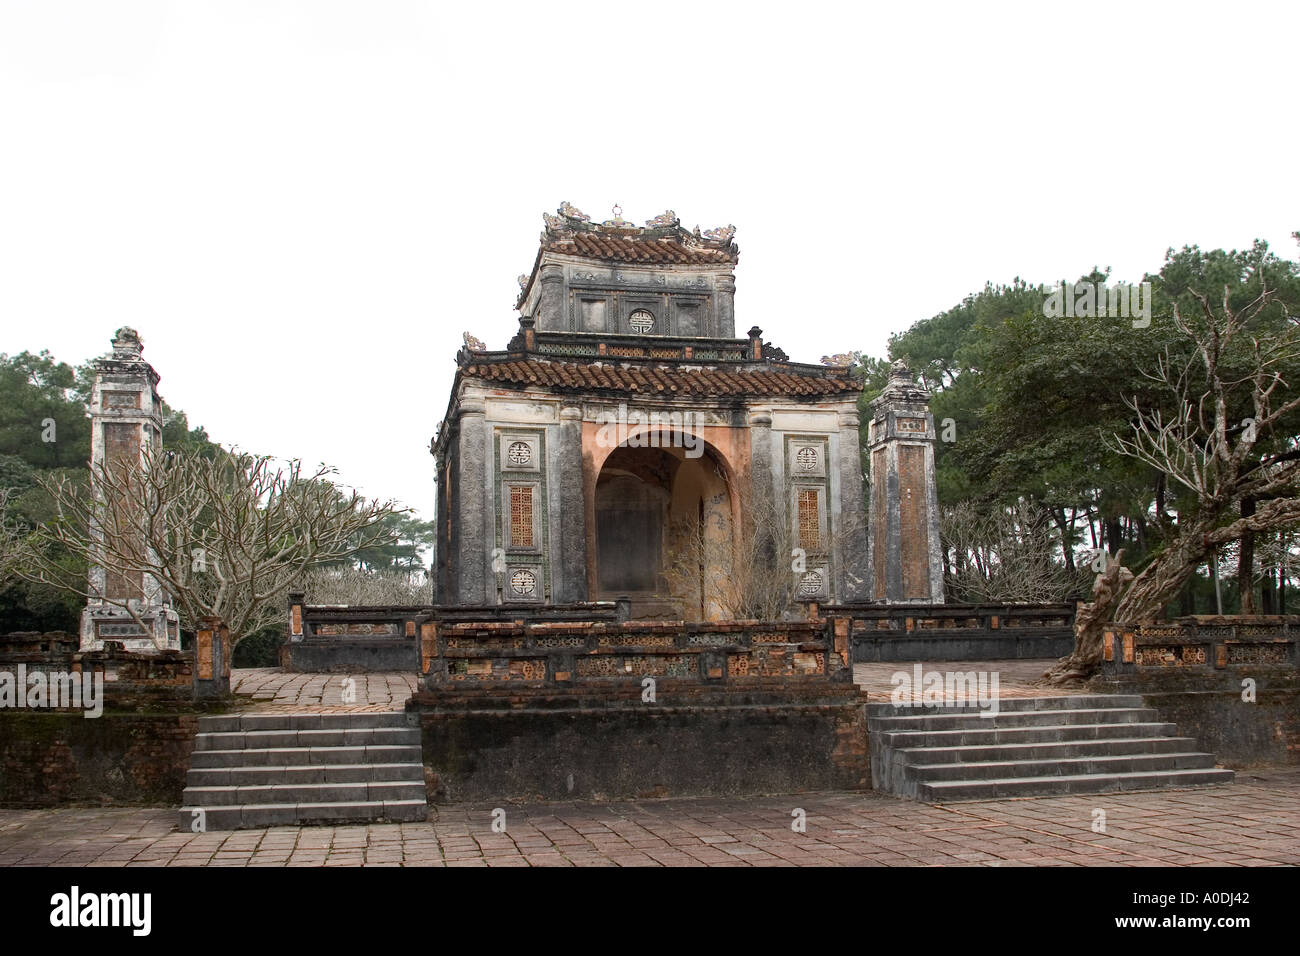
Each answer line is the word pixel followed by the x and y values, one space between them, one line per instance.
pixel 1034 397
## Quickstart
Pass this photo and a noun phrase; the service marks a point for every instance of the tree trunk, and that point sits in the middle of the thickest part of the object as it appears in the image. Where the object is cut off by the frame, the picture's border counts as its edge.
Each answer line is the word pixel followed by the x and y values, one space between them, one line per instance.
pixel 1089 625
pixel 1160 581
pixel 1112 535
pixel 1267 604
pixel 1246 566
pixel 1066 545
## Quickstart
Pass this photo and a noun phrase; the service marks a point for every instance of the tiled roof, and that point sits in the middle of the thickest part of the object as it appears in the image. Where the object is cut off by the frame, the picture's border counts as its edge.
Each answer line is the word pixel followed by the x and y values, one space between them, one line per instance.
pixel 602 245
pixel 659 379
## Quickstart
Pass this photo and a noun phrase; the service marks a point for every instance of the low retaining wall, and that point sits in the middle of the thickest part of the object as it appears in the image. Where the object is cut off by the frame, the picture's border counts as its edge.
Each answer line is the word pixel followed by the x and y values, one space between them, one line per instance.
pixel 342 640
pixel 607 710
pixel 50 759
pixel 132 680
pixel 129 747
pixel 1230 681
pixel 958 632
pixel 558 746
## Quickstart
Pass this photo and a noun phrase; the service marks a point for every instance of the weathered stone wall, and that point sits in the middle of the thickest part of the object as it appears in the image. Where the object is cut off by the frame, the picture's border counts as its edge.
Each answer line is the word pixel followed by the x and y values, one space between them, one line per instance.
pixel 50 759
pixel 555 746
pixel 513 710
pixel 603 654
pixel 958 632
pixel 133 680
pixel 135 752
pixel 340 640
pixel 1230 681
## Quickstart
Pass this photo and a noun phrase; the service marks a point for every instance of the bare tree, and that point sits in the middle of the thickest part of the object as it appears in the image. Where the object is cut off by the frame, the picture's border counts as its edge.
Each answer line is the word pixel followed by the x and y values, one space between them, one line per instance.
pixel 1215 460
pixel 226 537
pixel 1003 555
pixel 350 585
pixel 15 551
pixel 754 574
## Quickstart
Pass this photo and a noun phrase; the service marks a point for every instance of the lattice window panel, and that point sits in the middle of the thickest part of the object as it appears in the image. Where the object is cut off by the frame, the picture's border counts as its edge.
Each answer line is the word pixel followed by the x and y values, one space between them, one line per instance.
pixel 521 516
pixel 809 519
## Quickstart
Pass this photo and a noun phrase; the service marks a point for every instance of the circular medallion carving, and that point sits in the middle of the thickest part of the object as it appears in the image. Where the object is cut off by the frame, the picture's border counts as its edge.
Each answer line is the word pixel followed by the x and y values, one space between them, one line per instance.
pixel 519 453
pixel 806 459
pixel 810 584
pixel 641 321
pixel 523 581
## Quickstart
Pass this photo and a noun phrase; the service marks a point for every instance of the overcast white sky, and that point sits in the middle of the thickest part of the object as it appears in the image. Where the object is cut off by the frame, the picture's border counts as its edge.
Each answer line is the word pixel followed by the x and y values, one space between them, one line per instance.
pixel 301 206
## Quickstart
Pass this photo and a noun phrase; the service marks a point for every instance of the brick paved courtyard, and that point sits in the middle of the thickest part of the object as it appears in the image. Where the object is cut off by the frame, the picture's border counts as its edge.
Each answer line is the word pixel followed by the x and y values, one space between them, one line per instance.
pixel 1254 822
pixel 270 689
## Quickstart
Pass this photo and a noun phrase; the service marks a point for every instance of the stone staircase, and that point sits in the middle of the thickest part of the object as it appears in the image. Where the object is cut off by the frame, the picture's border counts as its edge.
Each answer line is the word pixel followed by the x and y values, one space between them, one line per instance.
pixel 1036 746
pixel 260 770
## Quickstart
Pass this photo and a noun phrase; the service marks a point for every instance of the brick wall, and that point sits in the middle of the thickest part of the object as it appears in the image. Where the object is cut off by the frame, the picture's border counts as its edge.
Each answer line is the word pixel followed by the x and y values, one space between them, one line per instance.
pixel 50 759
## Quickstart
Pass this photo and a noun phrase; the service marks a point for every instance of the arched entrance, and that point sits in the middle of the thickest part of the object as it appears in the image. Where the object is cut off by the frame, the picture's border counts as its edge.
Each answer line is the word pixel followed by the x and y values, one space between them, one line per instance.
pixel 664 528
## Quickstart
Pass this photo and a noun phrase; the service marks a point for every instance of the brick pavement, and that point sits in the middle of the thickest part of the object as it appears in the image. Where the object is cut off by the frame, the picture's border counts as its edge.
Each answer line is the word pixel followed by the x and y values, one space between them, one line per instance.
pixel 272 690
pixel 1015 677
pixel 1255 822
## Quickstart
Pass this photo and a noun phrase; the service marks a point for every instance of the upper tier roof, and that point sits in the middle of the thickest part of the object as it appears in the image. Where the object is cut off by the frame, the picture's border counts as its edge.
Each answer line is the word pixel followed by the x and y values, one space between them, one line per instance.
pixel 661 241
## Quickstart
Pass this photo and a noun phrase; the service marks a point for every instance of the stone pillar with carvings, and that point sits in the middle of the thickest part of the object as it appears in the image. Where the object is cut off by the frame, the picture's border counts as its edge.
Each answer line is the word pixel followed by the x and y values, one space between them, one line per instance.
pixel 854 583
pixel 125 422
pixel 472 511
pixel 571 566
pixel 906 564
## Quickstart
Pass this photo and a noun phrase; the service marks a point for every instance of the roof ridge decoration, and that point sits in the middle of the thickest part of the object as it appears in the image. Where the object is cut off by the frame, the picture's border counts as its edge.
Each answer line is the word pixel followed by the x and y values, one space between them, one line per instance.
pixel 568 222
pixel 569 210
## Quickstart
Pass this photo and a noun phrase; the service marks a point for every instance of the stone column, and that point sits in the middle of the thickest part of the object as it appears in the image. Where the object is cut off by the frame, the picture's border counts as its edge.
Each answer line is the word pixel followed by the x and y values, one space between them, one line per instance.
pixel 126 421
pixel 762 484
pixel 473 551
pixel 906 563
pixel 726 310
pixel 570 564
pixel 852 542
pixel 554 314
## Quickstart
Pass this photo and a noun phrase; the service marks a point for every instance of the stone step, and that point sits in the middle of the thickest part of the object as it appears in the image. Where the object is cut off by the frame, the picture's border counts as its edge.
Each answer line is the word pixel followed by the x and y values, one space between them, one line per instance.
pixel 1119 746
pixel 259 770
pixel 975 720
pixel 1018 735
pixel 311 793
pixel 303 756
pixel 272 739
pixel 1064 767
pixel 1008 704
pixel 303 814
pixel 232 723
pixel 303 773
pixel 948 791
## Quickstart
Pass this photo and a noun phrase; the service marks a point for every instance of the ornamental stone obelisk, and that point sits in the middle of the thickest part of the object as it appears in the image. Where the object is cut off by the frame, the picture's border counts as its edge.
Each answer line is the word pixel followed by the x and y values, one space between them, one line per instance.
pixel 125 421
pixel 905 560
